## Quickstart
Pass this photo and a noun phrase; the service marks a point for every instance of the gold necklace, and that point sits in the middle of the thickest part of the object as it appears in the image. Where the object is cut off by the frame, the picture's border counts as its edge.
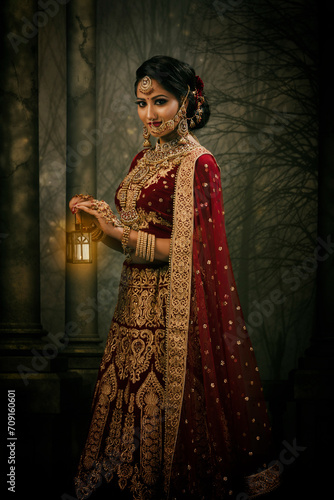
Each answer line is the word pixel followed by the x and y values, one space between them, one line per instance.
pixel 152 161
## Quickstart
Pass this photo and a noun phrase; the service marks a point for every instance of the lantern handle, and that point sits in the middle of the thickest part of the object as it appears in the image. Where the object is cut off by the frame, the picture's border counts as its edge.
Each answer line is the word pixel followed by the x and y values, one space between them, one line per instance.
pixel 77 225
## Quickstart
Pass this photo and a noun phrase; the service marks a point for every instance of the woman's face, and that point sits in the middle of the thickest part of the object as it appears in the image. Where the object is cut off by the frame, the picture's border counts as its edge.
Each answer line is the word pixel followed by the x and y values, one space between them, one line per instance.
pixel 157 107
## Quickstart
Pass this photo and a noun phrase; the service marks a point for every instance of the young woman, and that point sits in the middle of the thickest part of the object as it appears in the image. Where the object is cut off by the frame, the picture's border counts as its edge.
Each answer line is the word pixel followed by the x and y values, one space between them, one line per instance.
pixel 178 409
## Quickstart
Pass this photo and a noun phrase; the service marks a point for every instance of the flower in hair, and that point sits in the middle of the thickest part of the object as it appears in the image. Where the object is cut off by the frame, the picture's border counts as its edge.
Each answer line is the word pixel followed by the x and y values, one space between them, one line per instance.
pixel 199 99
pixel 199 85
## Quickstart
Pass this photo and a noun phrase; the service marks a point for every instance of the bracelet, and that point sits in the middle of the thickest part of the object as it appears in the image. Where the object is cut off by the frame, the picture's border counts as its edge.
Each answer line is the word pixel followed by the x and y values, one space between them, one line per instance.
pixel 141 244
pixel 148 247
pixel 97 234
pixel 125 239
pixel 145 247
pixel 138 243
pixel 152 248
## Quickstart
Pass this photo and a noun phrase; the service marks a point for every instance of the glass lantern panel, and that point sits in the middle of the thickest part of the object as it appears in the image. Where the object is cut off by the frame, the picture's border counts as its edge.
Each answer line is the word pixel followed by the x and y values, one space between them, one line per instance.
pixel 81 248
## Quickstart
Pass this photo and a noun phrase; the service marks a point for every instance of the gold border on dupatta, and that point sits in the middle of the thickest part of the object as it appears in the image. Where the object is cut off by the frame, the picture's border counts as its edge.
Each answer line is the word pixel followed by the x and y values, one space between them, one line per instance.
pixel 179 302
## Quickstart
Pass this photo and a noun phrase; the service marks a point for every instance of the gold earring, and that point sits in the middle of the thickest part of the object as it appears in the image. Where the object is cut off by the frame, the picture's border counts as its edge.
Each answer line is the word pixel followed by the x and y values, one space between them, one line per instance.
pixel 182 128
pixel 146 135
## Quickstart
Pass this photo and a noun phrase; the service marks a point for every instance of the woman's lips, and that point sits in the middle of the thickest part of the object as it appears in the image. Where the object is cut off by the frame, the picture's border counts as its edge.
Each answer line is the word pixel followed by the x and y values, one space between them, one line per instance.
pixel 155 124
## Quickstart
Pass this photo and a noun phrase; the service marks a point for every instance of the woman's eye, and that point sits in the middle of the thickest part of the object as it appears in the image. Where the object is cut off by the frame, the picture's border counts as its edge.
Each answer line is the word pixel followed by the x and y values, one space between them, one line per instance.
pixel 160 102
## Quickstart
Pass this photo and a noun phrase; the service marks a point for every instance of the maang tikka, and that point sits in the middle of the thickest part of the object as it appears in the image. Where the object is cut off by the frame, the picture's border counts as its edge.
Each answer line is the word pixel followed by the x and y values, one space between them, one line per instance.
pixel 146 86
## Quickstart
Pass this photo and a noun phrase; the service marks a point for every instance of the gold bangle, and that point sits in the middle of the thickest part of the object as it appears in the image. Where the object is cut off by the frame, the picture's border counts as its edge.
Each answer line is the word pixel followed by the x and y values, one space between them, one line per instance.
pixel 138 243
pixel 125 238
pixel 142 249
pixel 97 234
pixel 152 248
pixel 145 246
pixel 148 248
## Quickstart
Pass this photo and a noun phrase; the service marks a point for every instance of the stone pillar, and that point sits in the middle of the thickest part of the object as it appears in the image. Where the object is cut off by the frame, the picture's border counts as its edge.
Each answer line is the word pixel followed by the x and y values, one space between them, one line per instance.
pixel 81 279
pixel 20 326
pixel 41 395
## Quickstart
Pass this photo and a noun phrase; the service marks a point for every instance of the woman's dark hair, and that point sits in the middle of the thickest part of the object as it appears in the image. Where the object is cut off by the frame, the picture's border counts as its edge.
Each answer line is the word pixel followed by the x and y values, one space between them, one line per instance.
pixel 175 76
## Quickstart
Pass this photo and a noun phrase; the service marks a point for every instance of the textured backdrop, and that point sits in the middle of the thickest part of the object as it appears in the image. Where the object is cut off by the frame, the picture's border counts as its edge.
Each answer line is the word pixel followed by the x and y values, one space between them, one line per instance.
pixel 258 62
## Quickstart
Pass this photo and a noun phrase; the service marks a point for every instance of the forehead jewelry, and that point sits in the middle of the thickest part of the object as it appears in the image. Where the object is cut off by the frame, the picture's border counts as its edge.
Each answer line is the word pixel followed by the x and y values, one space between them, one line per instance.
pixel 146 85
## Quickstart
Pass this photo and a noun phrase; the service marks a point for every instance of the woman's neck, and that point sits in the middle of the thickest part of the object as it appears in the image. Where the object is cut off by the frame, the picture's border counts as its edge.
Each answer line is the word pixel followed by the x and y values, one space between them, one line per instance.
pixel 168 137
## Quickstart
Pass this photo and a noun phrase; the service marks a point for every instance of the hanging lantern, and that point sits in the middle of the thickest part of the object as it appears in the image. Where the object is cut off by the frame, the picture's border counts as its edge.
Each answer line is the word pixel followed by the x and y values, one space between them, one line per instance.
pixel 79 246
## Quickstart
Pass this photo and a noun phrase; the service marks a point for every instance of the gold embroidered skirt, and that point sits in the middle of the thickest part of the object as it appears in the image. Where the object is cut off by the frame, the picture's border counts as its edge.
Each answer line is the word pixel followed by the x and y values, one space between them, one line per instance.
pixel 125 439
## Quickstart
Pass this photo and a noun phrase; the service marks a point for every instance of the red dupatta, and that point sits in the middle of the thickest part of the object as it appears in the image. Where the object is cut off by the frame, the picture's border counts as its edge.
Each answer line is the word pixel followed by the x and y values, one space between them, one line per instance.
pixel 217 430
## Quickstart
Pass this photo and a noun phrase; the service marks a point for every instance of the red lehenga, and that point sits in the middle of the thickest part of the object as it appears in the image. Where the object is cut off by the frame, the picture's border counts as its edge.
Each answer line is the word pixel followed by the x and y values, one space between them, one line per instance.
pixel 178 410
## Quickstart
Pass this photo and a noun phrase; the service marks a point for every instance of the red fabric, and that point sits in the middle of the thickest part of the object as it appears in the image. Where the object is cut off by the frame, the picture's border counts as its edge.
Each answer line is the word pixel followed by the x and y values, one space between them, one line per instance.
pixel 224 431
pixel 223 417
